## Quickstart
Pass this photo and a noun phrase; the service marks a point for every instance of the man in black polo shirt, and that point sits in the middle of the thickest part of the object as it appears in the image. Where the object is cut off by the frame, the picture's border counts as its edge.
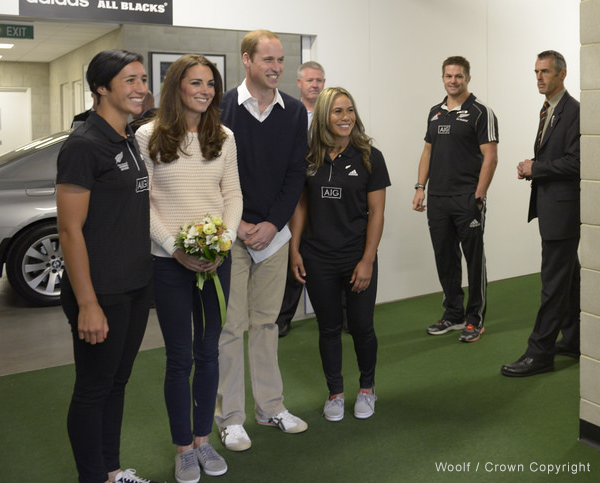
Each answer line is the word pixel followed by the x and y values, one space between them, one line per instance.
pixel 459 160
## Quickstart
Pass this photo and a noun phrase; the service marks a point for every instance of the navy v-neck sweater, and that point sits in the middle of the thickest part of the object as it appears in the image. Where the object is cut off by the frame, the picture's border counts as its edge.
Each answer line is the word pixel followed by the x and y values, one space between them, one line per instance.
pixel 271 157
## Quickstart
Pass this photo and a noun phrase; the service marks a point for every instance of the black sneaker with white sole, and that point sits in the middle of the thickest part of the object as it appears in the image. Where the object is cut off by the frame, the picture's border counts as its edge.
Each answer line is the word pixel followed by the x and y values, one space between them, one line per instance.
pixel 443 326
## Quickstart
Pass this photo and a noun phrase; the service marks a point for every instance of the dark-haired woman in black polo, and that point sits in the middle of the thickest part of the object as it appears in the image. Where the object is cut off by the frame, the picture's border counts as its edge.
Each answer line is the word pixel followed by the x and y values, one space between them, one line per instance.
pixel 103 224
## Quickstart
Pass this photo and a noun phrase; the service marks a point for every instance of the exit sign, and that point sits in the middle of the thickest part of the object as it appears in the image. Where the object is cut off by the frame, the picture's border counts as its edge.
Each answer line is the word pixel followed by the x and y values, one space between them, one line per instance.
pixel 16 31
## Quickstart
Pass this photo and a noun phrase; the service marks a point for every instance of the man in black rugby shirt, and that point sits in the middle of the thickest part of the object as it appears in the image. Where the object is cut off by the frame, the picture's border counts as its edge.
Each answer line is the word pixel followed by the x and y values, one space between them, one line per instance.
pixel 459 160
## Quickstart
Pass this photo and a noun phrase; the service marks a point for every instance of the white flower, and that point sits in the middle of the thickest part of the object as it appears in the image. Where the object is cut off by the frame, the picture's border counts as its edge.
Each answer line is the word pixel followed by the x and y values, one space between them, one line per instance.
pixel 209 228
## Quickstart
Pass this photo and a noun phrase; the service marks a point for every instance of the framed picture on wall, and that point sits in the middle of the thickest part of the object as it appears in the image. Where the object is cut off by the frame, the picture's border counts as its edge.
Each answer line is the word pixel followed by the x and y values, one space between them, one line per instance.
pixel 160 62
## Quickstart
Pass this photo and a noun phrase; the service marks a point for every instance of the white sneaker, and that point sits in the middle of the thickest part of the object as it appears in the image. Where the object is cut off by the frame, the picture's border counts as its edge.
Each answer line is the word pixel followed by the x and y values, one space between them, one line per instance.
pixel 365 405
pixel 129 476
pixel 187 469
pixel 285 421
pixel 235 438
pixel 334 409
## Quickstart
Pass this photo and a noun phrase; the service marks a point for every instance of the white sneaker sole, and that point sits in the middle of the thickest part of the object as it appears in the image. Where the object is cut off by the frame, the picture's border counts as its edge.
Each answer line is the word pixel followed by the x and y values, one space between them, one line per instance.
pixel 454 327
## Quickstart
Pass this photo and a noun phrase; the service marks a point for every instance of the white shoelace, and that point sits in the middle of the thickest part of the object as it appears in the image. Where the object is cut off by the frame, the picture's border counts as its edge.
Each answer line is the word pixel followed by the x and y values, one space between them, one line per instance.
pixel 129 476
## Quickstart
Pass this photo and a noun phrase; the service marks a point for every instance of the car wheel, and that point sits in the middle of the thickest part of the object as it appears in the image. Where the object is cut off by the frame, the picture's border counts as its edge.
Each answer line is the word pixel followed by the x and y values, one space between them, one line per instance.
pixel 34 264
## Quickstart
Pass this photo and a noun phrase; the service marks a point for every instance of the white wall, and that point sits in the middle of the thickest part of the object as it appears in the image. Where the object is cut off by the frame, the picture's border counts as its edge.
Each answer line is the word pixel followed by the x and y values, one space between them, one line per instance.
pixel 388 53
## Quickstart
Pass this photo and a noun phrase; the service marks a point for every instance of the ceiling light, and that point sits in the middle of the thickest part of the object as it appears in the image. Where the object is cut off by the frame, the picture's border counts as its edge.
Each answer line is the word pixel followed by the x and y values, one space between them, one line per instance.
pixel 6 46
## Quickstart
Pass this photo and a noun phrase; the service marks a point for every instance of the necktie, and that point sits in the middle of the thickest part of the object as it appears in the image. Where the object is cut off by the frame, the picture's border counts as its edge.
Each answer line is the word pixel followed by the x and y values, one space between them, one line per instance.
pixel 543 115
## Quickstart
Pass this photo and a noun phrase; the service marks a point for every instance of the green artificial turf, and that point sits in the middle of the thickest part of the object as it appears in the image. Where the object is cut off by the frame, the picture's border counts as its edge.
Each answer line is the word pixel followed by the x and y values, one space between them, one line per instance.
pixel 442 404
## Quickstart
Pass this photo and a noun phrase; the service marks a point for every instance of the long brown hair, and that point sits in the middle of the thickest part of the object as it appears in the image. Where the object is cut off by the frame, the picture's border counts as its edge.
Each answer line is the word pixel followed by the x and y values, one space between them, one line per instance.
pixel 321 137
pixel 170 127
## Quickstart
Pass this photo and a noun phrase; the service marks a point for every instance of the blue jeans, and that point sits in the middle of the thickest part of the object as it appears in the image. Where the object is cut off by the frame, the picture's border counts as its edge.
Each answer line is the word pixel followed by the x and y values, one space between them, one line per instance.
pixel 191 338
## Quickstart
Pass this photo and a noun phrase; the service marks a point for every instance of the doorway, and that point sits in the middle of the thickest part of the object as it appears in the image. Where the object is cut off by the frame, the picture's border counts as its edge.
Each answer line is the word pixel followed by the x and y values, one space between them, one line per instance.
pixel 15 117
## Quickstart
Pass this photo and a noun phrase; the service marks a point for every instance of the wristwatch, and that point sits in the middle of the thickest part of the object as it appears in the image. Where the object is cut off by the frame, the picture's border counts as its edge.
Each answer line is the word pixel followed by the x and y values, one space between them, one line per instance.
pixel 419 185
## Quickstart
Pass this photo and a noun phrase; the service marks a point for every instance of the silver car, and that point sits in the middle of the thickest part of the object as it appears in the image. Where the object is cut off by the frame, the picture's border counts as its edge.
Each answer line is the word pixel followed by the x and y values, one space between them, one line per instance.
pixel 29 245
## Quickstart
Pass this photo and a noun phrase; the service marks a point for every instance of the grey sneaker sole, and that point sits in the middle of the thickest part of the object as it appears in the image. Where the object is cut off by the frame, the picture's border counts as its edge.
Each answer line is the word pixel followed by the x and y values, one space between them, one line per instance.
pixel 211 462
pixel 214 473
pixel 333 417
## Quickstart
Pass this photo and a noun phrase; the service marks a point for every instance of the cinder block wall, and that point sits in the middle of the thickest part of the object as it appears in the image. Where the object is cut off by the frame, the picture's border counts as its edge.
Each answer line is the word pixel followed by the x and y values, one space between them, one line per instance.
pixel 151 38
pixel 35 76
pixel 590 219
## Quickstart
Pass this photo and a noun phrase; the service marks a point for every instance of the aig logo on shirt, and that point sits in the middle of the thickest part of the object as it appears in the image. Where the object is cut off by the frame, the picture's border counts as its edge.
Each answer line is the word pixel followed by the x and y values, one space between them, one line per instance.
pixel 331 192
pixel 141 184
pixel 444 129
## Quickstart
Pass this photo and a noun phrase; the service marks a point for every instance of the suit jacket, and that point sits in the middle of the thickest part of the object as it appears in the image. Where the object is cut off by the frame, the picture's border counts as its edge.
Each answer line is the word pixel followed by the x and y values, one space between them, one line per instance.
pixel 556 174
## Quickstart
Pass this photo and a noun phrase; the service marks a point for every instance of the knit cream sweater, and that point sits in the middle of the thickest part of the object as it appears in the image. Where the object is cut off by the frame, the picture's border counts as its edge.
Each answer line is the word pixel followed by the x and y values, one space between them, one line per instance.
pixel 185 190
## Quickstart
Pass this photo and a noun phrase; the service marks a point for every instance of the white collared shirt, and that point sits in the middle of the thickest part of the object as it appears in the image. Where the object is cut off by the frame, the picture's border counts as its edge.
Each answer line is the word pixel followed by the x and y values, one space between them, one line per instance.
pixel 251 103
pixel 446 108
pixel 310 116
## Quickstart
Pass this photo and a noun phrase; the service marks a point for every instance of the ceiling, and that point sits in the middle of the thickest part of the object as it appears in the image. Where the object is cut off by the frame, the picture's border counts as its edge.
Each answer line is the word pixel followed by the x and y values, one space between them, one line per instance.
pixel 51 39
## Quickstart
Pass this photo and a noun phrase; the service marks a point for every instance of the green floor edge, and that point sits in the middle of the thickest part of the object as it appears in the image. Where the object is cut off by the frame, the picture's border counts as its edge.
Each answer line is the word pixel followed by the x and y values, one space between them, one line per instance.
pixel 444 412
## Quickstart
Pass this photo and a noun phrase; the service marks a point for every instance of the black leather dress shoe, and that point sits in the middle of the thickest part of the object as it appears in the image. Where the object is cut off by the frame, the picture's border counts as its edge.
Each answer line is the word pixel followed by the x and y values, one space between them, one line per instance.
pixel 563 348
pixel 284 327
pixel 526 366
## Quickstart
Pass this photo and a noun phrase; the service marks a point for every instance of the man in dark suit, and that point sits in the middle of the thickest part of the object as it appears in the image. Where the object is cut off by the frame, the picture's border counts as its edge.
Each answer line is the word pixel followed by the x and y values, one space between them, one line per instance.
pixel 554 173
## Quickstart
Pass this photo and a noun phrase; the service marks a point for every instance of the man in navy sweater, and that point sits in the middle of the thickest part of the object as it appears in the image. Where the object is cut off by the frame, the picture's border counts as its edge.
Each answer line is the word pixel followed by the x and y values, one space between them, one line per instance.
pixel 270 133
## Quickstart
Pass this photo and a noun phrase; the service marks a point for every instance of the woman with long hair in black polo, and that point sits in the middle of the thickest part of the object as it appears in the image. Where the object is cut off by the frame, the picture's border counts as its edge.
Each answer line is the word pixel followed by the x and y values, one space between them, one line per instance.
pixel 336 230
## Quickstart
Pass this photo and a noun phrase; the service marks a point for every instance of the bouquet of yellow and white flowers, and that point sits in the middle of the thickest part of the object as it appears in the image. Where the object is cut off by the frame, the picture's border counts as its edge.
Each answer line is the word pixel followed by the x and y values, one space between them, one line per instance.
pixel 207 240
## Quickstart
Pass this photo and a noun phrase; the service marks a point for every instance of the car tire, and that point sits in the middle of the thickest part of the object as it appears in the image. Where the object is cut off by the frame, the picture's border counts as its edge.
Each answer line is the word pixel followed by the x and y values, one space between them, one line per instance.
pixel 34 264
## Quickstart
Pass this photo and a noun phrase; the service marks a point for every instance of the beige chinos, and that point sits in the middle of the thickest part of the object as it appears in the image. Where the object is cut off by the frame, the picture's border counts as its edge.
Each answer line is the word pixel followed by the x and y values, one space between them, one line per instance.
pixel 254 303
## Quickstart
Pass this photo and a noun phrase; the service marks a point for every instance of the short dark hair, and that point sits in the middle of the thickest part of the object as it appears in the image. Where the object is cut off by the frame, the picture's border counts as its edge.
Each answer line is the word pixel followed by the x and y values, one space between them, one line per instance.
pixel 457 60
pixel 559 63
pixel 106 65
